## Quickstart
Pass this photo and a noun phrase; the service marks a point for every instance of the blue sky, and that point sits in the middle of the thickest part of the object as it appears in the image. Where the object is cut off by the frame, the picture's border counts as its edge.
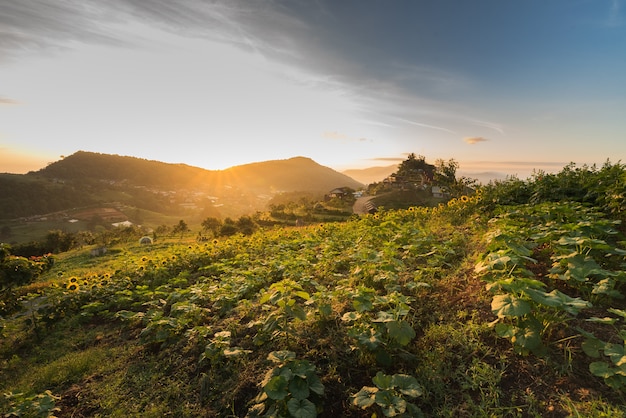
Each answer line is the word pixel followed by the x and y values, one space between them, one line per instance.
pixel 503 86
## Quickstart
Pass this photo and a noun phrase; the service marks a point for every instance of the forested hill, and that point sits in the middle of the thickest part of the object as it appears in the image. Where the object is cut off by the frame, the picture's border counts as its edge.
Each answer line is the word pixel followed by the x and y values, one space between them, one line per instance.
pixel 87 178
pixel 294 174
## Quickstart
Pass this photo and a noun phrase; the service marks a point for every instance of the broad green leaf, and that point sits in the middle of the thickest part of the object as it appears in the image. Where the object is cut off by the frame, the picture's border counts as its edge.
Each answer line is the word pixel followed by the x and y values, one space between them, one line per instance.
pixel 509 305
pixel 299 388
pixel 383 316
pixel 365 397
pixel 528 338
pixel 315 384
pixel 601 369
pixel 390 404
pixel 592 347
pixel 304 295
pixel 543 298
pixel 581 267
pixel 505 330
pixel 297 312
pixel 518 248
pixel 302 368
pixel 616 353
pixel 606 287
pixel 277 388
pixel 407 385
pixel 369 338
pixel 363 303
pixel 301 408
pixel 558 299
pixel 383 381
pixel 400 331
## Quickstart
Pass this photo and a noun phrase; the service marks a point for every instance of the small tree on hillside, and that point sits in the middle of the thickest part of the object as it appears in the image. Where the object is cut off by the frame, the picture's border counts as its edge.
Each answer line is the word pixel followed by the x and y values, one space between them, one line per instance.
pixel 213 225
pixel 445 176
pixel 414 167
pixel 181 228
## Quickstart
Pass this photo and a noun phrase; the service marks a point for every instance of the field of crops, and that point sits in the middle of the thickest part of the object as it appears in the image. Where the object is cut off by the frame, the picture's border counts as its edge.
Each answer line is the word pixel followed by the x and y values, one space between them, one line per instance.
pixel 507 302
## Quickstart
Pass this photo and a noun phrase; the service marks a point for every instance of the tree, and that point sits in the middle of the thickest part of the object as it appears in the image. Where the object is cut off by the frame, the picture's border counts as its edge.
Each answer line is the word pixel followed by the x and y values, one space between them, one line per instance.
pixel 246 225
pixel 212 224
pixel 181 228
pixel 445 176
pixel 414 167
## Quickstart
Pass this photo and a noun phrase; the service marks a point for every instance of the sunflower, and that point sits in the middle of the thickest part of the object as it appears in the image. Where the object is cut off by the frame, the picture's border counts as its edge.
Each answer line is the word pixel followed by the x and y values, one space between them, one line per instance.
pixel 464 199
pixel 72 287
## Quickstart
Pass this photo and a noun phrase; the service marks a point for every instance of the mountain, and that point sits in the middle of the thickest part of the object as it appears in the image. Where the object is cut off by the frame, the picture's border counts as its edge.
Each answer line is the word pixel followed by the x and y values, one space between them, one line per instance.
pixel 294 174
pixel 371 174
pixel 87 178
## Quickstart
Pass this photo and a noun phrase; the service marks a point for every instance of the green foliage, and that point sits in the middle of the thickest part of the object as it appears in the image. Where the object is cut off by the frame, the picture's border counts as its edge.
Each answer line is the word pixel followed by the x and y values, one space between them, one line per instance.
pixel 611 356
pixel 390 394
pixel 426 294
pixel 38 405
pixel 290 389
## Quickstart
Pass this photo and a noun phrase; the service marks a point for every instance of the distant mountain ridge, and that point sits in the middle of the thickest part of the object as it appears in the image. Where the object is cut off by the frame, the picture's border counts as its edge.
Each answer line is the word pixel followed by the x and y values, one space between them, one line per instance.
pixel 88 178
pixel 293 174
pixel 371 174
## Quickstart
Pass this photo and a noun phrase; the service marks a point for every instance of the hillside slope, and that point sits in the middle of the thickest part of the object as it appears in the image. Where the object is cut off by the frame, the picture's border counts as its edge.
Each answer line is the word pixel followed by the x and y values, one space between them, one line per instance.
pixel 87 178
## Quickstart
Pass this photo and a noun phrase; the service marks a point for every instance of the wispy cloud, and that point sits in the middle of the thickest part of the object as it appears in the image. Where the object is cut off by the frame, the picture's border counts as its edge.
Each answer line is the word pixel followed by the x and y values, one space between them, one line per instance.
pixel 425 125
pixel 496 127
pixel 474 139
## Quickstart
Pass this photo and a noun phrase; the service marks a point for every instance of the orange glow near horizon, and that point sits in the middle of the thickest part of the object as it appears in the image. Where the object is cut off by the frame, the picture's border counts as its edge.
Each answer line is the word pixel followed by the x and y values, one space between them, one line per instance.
pixel 21 162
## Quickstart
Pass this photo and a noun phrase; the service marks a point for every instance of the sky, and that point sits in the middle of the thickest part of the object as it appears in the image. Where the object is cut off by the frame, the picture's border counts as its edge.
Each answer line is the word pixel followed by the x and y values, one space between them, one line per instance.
pixel 503 86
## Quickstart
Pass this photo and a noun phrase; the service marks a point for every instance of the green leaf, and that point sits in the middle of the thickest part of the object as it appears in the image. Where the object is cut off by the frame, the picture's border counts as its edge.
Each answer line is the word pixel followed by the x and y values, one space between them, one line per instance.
pixel 509 305
pixel 592 347
pixel 543 298
pixel 365 397
pixel 616 353
pixel 304 295
pixel 369 338
pixel 315 384
pixel 400 331
pixel 301 408
pixel 383 316
pixel 277 388
pixel 302 368
pixel 383 381
pixel 299 388
pixel 581 267
pixel 390 404
pixel 601 369
pixel 407 385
